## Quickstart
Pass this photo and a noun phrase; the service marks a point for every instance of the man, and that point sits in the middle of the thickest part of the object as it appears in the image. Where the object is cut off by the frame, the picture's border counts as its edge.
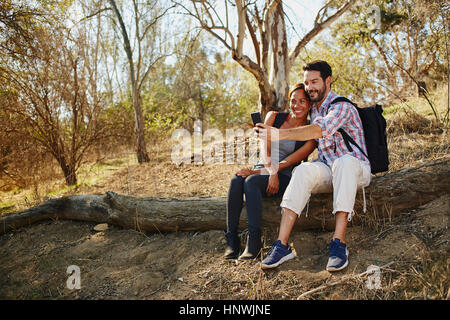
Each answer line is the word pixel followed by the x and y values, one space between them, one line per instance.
pixel 337 169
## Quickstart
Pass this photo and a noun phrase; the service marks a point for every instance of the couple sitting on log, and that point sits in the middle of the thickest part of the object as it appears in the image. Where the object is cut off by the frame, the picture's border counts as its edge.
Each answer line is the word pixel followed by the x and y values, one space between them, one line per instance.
pixel 336 170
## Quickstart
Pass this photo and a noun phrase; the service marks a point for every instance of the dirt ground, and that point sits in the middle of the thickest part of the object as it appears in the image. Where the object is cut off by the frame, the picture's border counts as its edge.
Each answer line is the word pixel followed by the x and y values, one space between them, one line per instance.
pixel 126 264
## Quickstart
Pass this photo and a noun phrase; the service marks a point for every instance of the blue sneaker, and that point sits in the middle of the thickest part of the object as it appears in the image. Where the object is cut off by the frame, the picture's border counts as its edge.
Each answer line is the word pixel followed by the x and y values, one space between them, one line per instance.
pixel 338 256
pixel 278 254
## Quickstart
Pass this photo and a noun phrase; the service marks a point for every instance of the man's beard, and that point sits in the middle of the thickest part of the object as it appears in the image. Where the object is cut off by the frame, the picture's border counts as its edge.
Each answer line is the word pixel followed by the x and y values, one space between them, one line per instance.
pixel 320 94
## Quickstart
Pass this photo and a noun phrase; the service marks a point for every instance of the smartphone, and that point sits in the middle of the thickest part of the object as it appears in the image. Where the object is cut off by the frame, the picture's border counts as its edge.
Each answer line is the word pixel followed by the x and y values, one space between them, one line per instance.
pixel 256 117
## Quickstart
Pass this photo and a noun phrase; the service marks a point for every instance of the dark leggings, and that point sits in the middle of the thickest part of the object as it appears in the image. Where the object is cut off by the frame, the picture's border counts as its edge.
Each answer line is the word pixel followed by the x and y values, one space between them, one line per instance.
pixel 254 188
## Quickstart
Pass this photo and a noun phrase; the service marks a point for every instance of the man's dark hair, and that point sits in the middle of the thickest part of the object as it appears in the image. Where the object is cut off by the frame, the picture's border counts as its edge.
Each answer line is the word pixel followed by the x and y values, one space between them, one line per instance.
pixel 319 65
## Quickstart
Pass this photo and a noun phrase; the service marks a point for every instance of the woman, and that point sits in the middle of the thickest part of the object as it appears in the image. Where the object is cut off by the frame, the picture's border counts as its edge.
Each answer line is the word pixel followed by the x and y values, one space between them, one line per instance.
pixel 258 182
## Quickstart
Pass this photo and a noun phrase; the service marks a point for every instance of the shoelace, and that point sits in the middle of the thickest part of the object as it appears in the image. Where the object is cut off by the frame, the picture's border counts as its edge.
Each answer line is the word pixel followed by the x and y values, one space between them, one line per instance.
pixel 274 248
pixel 271 250
pixel 334 249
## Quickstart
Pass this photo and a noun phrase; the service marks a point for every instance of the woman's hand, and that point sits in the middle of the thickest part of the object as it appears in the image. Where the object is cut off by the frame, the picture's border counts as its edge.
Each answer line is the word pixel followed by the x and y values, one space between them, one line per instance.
pixel 273 185
pixel 245 172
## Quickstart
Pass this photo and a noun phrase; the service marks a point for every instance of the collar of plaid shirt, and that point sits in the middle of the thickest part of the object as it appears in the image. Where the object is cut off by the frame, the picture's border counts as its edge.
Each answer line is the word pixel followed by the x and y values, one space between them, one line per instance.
pixel 332 146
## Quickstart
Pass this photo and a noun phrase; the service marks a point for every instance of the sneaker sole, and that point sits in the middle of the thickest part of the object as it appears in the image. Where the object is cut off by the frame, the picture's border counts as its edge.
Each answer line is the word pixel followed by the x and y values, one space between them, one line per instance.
pixel 233 257
pixel 284 259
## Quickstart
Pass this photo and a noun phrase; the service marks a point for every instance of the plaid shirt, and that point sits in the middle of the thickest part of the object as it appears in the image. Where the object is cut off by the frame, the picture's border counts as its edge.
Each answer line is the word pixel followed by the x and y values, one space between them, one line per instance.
pixel 330 119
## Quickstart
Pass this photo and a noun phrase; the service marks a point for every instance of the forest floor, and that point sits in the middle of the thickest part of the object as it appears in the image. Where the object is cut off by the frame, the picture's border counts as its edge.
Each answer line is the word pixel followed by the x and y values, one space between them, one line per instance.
pixel 127 264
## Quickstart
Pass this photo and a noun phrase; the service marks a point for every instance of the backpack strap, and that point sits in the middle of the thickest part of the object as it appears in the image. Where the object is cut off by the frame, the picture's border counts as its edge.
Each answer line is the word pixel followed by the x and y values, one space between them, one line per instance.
pixel 343 99
pixel 345 135
pixel 298 145
pixel 348 140
pixel 280 118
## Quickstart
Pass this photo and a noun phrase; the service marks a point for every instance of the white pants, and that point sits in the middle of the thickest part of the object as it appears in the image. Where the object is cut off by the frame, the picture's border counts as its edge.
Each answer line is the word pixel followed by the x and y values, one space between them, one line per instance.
pixel 343 179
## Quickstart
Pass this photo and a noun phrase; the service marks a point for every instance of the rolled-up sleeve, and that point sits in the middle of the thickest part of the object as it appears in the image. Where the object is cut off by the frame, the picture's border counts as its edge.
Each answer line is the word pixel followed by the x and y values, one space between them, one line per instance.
pixel 336 117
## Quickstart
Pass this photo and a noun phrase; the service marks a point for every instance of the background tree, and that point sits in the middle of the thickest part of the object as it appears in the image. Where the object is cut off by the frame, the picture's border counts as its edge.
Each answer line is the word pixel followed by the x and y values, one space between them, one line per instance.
pixel 50 90
pixel 264 23
pixel 200 84
pixel 407 44
pixel 145 18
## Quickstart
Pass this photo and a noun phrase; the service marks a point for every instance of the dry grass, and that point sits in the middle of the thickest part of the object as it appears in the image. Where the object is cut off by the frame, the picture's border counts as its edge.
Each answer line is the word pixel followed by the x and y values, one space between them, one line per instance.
pixel 414 134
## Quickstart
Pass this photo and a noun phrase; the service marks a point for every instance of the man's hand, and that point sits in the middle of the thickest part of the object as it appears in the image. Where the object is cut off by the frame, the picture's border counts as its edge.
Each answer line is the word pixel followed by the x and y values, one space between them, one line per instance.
pixel 303 133
pixel 263 131
pixel 267 160
pixel 273 185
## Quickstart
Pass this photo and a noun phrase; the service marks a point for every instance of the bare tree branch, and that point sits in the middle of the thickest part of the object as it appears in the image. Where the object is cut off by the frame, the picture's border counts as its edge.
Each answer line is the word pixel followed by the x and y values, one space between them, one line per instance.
pixel 95 13
pixel 209 28
pixel 320 25
pixel 251 30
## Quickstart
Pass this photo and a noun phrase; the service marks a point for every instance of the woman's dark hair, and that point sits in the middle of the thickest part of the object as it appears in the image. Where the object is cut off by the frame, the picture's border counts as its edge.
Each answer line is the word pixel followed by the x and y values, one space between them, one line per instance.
pixel 319 65
pixel 298 86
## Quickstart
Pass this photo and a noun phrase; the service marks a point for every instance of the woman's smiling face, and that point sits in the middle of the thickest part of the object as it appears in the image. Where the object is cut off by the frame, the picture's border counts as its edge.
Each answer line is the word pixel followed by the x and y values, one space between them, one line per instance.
pixel 300 104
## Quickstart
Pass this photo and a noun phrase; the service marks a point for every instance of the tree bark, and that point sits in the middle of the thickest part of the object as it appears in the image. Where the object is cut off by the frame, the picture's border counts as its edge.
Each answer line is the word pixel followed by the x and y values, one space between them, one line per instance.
pixel 387 195
pixel 141 145
pixel 69 174
pixel 280 60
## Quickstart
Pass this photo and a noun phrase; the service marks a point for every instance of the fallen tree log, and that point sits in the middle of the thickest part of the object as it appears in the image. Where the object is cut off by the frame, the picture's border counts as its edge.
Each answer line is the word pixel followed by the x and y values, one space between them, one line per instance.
pixel 387 195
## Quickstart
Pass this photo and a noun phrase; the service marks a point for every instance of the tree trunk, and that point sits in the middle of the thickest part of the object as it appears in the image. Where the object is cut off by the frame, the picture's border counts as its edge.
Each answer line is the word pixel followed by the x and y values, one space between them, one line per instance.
pixel 387 195
pixel 70 176
pixel 274 86
pixel 267 98
pixel 141 148
pixel 69 171
pixel 280 60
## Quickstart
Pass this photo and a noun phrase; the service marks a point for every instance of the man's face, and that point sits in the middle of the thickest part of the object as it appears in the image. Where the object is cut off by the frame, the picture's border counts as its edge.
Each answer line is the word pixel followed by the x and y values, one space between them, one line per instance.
pixel 315 86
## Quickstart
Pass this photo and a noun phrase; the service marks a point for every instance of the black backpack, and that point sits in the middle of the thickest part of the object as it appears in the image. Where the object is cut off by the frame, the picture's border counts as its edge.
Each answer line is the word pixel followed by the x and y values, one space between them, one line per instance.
pixel 374 126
